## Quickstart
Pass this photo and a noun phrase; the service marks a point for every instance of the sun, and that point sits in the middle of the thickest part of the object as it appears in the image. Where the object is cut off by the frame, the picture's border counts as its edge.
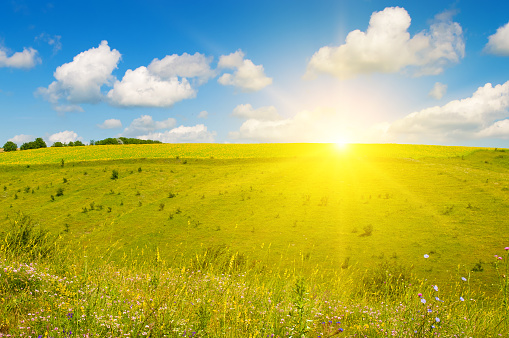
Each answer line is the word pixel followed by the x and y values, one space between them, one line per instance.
pixel 341 143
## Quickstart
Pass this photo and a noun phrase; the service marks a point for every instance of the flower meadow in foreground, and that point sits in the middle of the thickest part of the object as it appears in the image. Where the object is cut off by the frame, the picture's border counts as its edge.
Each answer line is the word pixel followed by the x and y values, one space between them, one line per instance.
pixel 39 300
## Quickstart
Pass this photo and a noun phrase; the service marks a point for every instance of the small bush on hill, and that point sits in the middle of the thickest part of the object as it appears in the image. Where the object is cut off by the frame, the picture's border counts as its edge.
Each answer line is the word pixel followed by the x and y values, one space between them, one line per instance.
pixel 114 174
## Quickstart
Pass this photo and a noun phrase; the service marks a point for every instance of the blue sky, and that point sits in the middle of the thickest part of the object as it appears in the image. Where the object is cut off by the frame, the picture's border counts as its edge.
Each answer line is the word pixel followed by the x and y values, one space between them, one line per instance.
pixel 431 72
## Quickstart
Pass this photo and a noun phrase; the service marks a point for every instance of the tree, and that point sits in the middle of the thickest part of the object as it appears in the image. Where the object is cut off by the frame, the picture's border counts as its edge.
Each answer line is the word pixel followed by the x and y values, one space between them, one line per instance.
pixel 10 146
pixel 58 144
pixel 70 144
pixel 78 143
pixel 39 143
pixel 27 145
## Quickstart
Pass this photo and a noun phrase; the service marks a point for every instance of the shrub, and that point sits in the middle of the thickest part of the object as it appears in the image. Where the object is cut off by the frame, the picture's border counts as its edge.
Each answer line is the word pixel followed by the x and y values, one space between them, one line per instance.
pixel 368 231
pixel 60 192
pixel 114 174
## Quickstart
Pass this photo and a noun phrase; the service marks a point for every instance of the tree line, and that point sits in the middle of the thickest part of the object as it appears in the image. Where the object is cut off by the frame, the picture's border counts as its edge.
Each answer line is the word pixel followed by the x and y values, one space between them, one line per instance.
pixel 39 143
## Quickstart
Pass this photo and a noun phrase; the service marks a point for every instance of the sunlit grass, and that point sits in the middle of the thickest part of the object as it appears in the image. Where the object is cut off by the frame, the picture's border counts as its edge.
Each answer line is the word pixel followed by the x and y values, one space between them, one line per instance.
pixel 282 240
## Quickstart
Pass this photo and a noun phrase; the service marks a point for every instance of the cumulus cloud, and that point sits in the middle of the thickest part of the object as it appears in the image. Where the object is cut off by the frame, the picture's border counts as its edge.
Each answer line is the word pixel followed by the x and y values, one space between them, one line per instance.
pixel 182 134
pixel 22 138
pixel 26 59
pixel 247 76
pixel 498 43
pixel 268 113
pixel 142 88
pixel 110 124
pixel 203 114
pixel 320 125
pixel 80 81
pixel 469 118
pixel 386 47
pixel 185 65
pixel 146 124
pixel 438 91
pixel 64 137
pixel 163 83
pixel 499 129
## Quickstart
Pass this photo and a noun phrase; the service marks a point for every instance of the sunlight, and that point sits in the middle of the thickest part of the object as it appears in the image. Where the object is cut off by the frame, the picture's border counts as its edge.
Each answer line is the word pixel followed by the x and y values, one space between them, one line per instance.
pixel 341 143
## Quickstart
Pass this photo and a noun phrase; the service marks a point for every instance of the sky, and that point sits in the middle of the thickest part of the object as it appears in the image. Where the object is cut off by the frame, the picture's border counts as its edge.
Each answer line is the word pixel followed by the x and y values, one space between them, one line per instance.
pixel 418 72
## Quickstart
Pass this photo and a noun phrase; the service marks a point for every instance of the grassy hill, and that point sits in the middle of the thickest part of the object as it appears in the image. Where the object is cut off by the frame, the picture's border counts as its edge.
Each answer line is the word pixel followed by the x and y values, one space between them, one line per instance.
pixel 306 209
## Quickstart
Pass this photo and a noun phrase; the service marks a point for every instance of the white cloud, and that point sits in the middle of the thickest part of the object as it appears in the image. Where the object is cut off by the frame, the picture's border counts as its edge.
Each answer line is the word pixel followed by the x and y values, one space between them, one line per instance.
pixel 268 113
pixel 438 91
pixel 80 81
pixel 247 76
pixel 320 125
pixel 146 124
pixel 469 118
pixel 498 43
pixel 68 108
pixel 142 88
pixel 386 47
pixel 499 129
pixel 20 139
pixel 185 65
pixel 203 114
pixel 163 83
pixel 28 58
pixel 110 124
pixel 64 137
pixel 182 134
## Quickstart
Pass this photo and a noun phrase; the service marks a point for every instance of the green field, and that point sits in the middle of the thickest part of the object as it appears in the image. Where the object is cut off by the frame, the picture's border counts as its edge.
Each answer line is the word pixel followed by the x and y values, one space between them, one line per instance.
pixel 302 212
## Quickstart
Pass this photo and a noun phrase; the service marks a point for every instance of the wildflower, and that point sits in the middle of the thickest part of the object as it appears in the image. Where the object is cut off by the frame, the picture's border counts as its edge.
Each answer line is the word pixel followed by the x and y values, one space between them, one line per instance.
pixel 426 256
pixel 437 320
pixel 506 248
pixel 419 295
pixel 500 258
pixel 462 299
pixel 435 287
pixel 463 279
pixel 423 300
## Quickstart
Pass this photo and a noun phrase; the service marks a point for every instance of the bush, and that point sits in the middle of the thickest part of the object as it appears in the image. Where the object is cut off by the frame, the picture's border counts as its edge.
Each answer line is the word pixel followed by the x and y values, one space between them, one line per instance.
pixel 10 146
pixel 114 174
pixel 368 231
pixel 60 192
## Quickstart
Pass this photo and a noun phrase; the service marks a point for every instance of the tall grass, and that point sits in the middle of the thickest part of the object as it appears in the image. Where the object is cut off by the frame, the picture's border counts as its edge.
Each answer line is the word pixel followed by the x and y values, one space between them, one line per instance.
pixel 222 293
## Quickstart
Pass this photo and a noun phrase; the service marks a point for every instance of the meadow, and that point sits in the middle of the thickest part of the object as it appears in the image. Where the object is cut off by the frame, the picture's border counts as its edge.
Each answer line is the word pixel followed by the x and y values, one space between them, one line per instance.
pixel 300 240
